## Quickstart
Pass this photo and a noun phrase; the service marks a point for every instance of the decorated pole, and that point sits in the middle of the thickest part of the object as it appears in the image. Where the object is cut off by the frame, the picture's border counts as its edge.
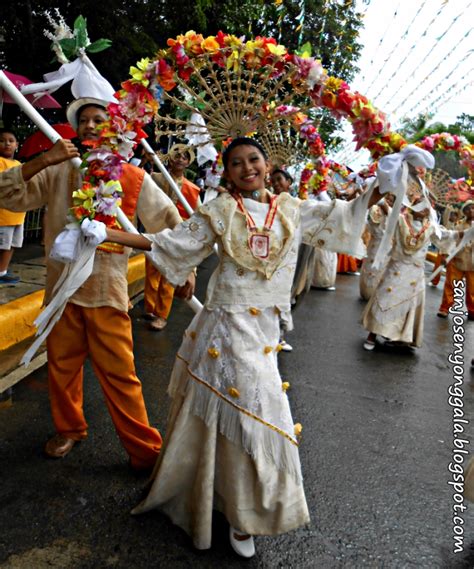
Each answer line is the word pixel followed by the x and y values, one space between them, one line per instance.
pixel 49 131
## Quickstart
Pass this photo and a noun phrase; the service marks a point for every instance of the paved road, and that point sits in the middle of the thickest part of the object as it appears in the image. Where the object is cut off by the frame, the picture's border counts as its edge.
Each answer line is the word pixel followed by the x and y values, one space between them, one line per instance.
pixel 377 441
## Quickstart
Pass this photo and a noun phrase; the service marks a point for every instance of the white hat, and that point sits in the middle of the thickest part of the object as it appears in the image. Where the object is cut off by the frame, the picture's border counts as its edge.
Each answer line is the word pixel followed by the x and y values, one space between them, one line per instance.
pixel 73 108
pixel 88 88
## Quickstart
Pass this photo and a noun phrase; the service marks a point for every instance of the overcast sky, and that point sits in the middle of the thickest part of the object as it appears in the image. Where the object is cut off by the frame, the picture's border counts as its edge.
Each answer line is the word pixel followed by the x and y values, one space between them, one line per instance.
pixel 417 55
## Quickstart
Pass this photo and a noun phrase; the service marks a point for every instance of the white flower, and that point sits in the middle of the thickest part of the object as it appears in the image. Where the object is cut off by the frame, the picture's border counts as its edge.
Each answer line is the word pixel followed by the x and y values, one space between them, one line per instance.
pixel 316 74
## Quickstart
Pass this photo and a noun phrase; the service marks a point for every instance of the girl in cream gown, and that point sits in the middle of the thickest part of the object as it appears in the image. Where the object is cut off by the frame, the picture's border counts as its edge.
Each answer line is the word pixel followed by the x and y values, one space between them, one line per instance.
pixel 231 442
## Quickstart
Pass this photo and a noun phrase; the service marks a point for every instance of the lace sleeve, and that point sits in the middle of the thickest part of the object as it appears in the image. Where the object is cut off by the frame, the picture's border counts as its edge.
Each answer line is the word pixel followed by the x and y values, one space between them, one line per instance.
pixel 336 226
pixel 177 251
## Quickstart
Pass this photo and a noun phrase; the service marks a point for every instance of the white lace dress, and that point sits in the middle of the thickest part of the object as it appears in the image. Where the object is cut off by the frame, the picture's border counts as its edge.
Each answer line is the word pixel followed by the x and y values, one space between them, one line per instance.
pixel 230 441
pixel 325 262
pixel 396 308
pixel 369 276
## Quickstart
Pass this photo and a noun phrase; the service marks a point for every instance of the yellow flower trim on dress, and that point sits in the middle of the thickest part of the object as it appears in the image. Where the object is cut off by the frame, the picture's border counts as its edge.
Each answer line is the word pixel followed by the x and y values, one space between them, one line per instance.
pixel 279 348
pixel 389 289
pixel 233 392
pixel 298 428
pixel 193 335
pixel 413 283
pixel 267 349
pixel 285 385
pixel 213 352
pixel 254 311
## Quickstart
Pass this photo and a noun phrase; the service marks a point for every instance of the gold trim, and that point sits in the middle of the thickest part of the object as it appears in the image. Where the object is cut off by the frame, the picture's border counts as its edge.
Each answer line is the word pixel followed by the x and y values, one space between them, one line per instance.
pixel 241 409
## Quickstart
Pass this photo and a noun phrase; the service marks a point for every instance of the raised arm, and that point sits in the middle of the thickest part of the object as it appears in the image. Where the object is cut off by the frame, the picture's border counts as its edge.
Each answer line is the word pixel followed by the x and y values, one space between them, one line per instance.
pixel 61 151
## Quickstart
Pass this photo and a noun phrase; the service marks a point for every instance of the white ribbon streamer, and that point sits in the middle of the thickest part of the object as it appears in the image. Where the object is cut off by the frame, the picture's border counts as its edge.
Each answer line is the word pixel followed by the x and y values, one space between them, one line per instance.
pixel 84 76
pixel 392 175
pixel 74 275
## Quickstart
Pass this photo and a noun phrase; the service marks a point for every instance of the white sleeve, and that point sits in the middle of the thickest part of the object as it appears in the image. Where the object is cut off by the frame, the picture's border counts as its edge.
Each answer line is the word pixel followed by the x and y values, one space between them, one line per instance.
pixel 336 226
pixel 177 251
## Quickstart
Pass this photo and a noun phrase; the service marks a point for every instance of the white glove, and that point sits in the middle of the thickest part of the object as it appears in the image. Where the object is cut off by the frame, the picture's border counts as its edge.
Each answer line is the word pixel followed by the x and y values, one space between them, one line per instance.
pixel 95 231
pixel 65 246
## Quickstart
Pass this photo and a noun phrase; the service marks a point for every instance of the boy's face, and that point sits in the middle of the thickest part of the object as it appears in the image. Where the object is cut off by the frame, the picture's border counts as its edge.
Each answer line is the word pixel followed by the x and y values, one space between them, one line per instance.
pixel 88 121
pixel 8 145
pixel 179 162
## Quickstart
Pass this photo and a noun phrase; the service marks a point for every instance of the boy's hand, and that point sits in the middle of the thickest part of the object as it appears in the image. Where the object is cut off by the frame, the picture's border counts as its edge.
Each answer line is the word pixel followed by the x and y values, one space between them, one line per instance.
pixel 61 151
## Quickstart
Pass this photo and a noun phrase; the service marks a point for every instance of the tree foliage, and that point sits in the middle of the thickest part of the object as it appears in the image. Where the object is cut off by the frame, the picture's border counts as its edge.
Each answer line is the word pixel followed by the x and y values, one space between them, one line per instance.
pixel 138 28
pixel 421 126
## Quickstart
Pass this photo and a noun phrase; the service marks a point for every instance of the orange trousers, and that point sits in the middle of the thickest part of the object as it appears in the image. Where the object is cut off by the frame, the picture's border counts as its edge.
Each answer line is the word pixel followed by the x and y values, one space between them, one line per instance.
pixel 347 264
pixel 455 274
pixel 158 292
pixel 105 335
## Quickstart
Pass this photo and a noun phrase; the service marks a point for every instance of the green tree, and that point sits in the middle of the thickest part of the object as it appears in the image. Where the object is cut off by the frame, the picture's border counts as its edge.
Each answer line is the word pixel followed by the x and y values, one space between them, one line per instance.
pixel 420 127
pixel 138 28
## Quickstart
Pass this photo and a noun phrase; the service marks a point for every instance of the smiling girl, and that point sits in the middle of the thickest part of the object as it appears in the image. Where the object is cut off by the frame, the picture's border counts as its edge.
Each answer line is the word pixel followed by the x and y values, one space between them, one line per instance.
pixel 231 442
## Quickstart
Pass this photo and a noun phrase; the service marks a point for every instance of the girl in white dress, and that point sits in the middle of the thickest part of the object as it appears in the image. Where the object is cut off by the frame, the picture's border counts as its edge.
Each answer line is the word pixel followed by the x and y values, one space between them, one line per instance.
pixel 397 306
pixel 231 443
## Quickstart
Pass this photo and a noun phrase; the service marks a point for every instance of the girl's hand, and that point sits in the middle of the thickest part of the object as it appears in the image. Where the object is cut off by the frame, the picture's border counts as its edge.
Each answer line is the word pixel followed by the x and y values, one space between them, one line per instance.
pixel 187 290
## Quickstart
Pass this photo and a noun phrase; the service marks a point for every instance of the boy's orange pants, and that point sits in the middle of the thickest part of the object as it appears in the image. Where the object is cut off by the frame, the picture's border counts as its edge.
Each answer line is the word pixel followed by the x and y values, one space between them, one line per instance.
pixel 455 274
pixel 105 334
pixel 158 292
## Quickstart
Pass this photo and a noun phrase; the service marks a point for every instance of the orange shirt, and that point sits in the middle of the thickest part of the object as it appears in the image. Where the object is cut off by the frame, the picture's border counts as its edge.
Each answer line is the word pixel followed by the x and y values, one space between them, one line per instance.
pixel 8 217
pixel 189 190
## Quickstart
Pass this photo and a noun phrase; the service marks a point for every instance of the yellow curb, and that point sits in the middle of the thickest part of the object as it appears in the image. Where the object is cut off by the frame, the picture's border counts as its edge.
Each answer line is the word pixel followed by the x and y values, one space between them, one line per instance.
pixel 17 317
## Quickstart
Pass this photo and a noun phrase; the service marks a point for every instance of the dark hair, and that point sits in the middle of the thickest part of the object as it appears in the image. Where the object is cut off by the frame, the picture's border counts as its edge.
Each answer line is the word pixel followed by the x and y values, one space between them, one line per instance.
pixel 80 109
pixel 241 141
pixel 8 131
pixel 284 173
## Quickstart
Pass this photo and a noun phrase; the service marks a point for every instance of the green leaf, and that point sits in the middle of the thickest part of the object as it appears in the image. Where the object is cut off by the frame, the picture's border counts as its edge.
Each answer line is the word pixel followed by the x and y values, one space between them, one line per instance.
pixel 80 31
pixel 99 45
pixel 305 50
pixel 80 24
pixel 68 45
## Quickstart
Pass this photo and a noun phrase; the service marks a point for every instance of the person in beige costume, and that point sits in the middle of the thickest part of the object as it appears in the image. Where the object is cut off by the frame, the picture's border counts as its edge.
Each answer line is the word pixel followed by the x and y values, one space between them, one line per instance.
pixel 95 321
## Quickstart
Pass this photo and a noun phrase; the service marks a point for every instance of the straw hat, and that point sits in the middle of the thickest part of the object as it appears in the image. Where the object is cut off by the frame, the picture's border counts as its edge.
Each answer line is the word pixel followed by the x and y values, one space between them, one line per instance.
pixel 181 149
pixel 73 108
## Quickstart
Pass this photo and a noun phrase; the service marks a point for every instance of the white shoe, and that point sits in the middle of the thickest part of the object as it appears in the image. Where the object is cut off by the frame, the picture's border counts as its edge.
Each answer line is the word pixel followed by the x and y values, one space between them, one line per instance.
pixel 330 288
pixel 285 347
pixel 241 543
pixel 369 345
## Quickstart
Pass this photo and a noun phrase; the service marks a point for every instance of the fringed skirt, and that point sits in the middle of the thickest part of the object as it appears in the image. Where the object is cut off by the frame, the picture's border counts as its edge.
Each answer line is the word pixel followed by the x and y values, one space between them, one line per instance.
pixel 396 308
pixel 230 442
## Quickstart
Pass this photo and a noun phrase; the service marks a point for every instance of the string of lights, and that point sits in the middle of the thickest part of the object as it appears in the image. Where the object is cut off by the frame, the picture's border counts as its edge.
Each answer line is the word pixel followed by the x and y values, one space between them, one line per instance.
pixel 444 59
pixel 400 65
pixel 387 59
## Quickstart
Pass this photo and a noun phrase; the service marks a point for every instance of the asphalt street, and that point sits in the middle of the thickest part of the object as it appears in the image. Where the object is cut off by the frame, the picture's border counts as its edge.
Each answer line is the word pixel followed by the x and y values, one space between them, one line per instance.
pixel 376 445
